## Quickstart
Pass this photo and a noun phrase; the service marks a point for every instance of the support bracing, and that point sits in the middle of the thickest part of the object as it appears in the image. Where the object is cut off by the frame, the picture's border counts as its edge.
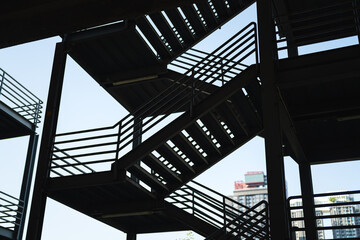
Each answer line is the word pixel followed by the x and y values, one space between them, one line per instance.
pixel 272 127
pixel 52 110
pixel 131 236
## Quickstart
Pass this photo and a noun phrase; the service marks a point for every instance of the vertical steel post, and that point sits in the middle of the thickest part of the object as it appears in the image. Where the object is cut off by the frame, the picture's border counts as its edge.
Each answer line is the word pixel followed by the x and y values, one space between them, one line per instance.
pixel 26 183
pixel 38 204
pixel 307 193
pixel 279 224
pixel 131 236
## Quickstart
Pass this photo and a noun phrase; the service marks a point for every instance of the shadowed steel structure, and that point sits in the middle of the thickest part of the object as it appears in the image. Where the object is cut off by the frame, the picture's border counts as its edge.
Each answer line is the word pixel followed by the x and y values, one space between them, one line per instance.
pixel 257 83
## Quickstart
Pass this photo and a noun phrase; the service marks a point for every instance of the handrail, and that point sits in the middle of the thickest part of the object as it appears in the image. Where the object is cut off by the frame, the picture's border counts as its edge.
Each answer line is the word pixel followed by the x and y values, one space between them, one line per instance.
pixel 339 207
pixel 320 24
pixel 20 99
pixel 232 53
pixel 11 210
pixel 219 211
pixel 255 225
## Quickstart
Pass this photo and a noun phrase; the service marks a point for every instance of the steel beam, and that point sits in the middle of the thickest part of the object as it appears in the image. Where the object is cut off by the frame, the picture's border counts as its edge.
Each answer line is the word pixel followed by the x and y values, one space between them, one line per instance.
pixel 307 193
pixel 26 183
pixel 279 222
pixel 49 130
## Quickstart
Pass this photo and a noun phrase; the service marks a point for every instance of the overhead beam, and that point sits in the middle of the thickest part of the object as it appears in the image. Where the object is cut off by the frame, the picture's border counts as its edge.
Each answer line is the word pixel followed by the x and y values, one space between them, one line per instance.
pixel 128 208
pixel 25 21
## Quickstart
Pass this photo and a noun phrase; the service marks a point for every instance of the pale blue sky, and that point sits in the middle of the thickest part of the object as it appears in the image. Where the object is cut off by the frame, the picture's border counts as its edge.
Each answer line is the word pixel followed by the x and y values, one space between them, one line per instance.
pixel 86 105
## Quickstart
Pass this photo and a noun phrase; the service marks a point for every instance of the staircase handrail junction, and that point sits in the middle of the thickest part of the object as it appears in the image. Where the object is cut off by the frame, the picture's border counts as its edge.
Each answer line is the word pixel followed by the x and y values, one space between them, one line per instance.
pixel 19 98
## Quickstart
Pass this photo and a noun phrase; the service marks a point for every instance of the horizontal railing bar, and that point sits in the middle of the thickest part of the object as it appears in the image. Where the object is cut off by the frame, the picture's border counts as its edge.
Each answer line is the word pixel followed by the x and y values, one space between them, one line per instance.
pixel 88 154
pixel 86 131
pixel 86 146
pixel 61 159
pixel 83 163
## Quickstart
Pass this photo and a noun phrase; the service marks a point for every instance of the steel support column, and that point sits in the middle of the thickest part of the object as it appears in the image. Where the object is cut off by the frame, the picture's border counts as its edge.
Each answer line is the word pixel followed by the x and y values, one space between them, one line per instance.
pixel 51 116
pixel 131 236
pixel 307 194
pixel 279 224
pixel 137 139
pixel 26 183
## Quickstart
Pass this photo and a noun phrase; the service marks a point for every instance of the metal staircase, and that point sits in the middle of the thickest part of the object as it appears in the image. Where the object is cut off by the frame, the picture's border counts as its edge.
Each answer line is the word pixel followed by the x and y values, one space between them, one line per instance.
pixel 209 110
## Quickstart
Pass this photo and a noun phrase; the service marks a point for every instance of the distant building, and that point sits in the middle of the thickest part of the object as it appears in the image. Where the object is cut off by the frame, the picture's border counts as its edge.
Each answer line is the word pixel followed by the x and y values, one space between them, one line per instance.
pixel 252 191
pixel 346 209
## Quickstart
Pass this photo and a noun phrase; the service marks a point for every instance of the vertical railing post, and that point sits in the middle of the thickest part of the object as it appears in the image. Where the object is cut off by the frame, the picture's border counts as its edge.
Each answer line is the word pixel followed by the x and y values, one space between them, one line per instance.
pixel 2 81
pixel 224 212
pixel 118 142
pixel 26 184
pixel 356 17
pixel 222 73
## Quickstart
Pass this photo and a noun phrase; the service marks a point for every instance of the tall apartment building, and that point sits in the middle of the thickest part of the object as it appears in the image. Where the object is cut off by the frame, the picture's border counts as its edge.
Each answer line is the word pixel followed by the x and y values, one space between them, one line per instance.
pixel 252 190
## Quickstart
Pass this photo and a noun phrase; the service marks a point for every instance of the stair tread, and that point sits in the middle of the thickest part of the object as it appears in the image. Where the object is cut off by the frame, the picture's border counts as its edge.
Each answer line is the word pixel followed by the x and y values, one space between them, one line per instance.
pixel 185 145
pixel 153 38
pixel 171 156
pixel 233 119
pixel 180 25
pixel 164 27
pixel 147 178
pixel 250 114
pixel 207 13
pixel 194 20
pixel 159 167
pixel 203 140
pixel 217 130
pixel 221 8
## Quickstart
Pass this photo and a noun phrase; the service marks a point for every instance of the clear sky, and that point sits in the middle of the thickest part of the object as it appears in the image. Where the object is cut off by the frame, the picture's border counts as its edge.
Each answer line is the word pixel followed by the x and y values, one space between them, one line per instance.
pixel 86 105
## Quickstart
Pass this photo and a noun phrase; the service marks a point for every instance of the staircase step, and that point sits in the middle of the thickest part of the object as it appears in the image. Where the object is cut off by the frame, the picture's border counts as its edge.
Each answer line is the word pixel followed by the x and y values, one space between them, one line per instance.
pixel 180 25
pixel 151 35
pixel 163 170
pixel 221 8
pixel 249 112
pixel 253 90
pixel 171 156
pixel 147 178
pixel 203 140
pixel 207 13
pixel 194 20
pixel 217 129
pixel 169 34
pixel 233 119
pixel 186 146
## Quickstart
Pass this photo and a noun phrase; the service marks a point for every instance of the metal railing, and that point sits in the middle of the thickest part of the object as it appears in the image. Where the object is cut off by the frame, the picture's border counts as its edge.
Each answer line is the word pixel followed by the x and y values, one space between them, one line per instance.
pixel 20 99
pixel 229 216
pixel 11 210
pixel 335 21
pixel 103 146
pixel 337 215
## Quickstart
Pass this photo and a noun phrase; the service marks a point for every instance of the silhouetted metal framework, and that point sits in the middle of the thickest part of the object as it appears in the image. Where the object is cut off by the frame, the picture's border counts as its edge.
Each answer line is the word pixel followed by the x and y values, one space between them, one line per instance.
pixel 20 112
pixel 304 105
